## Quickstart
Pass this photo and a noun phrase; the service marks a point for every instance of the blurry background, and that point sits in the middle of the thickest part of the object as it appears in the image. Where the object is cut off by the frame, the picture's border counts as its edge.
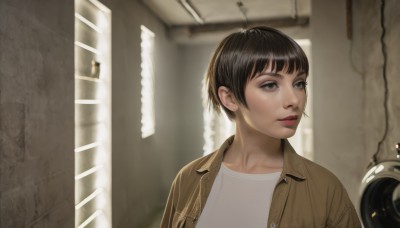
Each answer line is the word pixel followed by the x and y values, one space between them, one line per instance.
pixel 101 101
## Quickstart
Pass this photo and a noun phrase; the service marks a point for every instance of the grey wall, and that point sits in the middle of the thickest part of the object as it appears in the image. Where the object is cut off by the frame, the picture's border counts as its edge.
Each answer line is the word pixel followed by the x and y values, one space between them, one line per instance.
pixel 337 95
pixel 143 169
pixel 36 114
pixel 194 63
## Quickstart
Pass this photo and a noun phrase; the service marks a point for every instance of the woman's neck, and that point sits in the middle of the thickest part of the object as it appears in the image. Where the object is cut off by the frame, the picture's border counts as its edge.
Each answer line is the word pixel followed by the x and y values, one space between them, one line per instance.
pixel 253 152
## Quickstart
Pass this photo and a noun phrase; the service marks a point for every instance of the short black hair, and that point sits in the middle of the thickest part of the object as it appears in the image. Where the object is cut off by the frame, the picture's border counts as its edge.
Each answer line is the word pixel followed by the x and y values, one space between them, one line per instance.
pixel 242 55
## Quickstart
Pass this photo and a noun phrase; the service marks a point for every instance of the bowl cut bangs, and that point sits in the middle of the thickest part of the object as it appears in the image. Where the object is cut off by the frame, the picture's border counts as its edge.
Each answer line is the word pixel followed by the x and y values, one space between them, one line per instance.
pixel 243 55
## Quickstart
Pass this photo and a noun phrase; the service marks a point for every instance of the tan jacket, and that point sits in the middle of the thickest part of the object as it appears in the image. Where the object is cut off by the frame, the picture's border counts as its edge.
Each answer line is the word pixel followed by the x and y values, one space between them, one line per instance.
pixel 306 195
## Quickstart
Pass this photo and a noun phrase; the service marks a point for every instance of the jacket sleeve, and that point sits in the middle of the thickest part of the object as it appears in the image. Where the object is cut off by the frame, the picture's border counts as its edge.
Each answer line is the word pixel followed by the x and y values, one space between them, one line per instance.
pixel 348 218
pixel 342 213
pixel 169 211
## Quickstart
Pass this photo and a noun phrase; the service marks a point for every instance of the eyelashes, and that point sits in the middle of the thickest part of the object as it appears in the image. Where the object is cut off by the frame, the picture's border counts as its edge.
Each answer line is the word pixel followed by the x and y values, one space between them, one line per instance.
pixel 270 85
pixel 273 85
pixel 301 84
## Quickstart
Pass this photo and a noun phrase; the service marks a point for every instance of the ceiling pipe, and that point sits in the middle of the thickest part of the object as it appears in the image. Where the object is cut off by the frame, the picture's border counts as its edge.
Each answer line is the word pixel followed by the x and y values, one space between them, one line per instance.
pixel 193 30
pixel 215 32
pixel 191 10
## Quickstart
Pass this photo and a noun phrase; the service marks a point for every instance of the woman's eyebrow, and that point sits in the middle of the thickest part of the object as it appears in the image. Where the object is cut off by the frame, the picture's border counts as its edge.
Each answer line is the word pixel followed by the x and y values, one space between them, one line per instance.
pixel 273 74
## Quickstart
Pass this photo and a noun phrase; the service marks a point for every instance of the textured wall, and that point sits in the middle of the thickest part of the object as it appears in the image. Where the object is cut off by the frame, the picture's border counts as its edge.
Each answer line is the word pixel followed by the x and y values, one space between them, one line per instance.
pixel 36 114
pixel 372 67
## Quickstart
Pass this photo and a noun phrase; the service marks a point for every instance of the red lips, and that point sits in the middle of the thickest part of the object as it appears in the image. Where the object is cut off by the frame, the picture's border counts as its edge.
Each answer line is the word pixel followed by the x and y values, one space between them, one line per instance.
pixel 293 117
pixel 289 121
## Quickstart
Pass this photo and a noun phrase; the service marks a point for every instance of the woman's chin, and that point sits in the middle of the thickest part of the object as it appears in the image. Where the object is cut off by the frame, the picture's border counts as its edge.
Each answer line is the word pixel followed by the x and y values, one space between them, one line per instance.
pixel 287 133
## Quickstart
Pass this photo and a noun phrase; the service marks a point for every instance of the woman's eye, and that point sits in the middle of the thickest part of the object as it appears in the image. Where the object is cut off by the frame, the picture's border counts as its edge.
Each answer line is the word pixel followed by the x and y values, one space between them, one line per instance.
pixel 301 84
pixel 271 85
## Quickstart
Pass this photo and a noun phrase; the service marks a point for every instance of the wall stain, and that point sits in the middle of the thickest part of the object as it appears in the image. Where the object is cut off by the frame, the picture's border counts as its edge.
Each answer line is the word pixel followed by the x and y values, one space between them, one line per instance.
pixel 12 132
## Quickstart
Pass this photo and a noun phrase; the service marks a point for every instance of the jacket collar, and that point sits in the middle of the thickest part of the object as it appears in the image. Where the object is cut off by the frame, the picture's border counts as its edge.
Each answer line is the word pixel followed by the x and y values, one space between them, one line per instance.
pixel 292 162
pixel 216 158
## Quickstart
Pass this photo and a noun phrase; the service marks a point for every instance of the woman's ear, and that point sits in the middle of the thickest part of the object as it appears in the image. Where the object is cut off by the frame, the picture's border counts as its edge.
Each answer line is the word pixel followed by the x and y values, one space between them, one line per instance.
pixel 228 100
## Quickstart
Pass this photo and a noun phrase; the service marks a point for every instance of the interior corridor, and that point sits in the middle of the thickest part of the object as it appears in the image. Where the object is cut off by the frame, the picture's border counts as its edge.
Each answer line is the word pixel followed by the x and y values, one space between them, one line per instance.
pixel 102 101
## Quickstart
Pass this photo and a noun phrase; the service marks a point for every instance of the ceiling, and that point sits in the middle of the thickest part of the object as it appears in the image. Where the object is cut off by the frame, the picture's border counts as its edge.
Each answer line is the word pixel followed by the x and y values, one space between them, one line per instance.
pixel 193 18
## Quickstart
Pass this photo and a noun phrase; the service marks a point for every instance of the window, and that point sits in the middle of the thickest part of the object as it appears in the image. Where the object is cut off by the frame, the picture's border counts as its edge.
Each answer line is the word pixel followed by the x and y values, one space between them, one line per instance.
pixel 147 82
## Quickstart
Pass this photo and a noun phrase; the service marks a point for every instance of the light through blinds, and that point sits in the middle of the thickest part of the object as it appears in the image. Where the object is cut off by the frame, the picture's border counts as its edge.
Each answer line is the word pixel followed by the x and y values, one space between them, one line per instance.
pixel 147 82
pixel 92 114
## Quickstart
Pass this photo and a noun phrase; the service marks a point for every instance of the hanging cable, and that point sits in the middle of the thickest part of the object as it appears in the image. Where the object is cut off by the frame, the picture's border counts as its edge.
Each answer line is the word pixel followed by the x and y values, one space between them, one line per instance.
pixel 385 81
pixel 243 10
pixel 294 9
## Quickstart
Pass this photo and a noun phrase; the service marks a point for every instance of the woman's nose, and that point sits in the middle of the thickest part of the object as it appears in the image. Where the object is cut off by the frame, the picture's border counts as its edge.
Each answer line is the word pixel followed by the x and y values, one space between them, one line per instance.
pixel 290 99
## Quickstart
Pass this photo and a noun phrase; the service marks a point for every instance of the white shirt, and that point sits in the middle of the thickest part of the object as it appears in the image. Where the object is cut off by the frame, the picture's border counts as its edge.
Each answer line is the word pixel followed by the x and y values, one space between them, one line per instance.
pixel 238 200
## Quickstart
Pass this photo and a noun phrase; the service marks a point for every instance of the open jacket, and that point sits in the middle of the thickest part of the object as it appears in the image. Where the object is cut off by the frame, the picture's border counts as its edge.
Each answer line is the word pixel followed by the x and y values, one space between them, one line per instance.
pixel 306 195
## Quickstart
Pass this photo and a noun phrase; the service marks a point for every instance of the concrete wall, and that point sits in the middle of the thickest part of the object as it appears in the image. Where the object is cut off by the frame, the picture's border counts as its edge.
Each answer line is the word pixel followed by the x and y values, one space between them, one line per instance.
pixel 372 64
pixel 143 169
pixel 36 114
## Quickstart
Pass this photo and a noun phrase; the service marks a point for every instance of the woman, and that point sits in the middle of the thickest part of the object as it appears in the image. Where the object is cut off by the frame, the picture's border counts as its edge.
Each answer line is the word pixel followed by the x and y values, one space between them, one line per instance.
pixel 256 179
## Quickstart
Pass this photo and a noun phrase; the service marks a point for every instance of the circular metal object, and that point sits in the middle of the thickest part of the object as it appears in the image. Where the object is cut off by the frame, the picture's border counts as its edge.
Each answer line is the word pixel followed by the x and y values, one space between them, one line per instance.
pixel 380 196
